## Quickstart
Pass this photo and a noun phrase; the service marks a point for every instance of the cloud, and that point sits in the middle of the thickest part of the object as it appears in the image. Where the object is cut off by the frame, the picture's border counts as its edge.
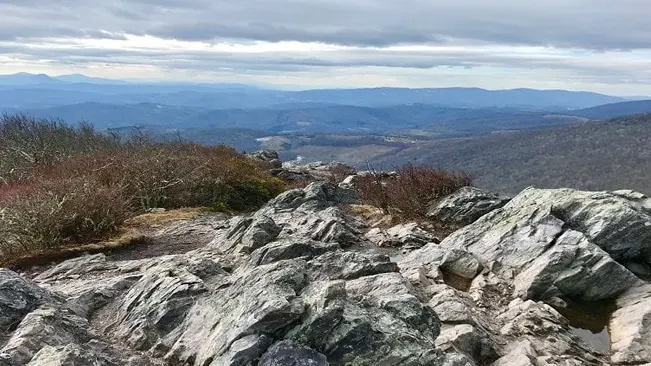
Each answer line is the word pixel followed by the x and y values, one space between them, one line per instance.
pixel 597 44
pixel 587 24
pixel 607 67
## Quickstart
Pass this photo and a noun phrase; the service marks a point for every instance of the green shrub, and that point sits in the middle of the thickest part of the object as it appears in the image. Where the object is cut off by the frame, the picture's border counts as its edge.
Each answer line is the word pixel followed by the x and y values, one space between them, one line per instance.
pixel 248 195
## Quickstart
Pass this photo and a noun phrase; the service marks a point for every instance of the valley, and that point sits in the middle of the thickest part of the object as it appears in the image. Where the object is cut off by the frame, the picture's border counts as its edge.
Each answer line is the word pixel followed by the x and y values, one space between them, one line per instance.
pixel 508 139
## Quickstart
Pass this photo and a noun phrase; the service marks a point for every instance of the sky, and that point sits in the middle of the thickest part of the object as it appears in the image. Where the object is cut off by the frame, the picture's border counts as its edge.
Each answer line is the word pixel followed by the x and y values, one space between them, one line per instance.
pixel 596 45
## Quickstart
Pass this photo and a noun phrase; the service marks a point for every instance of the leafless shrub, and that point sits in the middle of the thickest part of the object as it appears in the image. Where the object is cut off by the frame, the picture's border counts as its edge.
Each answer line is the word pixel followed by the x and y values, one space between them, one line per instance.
pixel 339 172
pixel 408 192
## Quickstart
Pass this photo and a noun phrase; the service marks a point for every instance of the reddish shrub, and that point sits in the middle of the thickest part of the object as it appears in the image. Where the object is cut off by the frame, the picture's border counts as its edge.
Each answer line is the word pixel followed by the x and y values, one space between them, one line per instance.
pixel 409 192
pixel 65 195
pixel 9 190
pixel 339 172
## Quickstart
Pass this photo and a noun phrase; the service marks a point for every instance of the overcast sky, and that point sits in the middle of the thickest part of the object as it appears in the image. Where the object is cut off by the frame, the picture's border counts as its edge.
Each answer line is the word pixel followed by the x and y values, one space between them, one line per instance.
pixel 599 45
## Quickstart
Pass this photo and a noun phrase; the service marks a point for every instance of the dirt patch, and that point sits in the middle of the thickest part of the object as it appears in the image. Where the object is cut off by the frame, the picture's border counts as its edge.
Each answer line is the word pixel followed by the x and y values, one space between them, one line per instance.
pixel 44 257
pixel 145 236
pixel 172 233
pixel 158 219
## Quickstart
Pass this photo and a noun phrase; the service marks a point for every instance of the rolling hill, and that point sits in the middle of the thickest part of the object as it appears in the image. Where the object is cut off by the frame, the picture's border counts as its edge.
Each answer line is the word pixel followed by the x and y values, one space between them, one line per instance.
pixel 428 120
pixel 615 109
pixel 33 91
pixel 593 155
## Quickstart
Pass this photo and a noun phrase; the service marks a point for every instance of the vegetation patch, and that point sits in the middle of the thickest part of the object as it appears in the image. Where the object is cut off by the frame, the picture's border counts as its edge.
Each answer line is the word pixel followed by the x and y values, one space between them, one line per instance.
pixel 372 215
pixel 63 186
pixel 159 218
pixel 407 193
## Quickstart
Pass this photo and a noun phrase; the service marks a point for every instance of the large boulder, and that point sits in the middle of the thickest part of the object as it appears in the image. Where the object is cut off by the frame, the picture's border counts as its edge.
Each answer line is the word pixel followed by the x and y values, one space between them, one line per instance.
pixel 314 172
pixel 269 156
pixel 70 355
pixel 247 234
pixel 56 335
pixel 316 195
pixel 630 327
pixel 465 206
pixel 18 297
pixel 562 242
pixel 468 340
pixel 300 288
pixel 263 300
pixel 287 353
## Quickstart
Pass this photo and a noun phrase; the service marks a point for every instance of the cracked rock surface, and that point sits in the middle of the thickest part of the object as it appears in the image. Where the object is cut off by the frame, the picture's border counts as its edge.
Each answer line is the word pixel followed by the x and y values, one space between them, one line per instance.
pixel 300 282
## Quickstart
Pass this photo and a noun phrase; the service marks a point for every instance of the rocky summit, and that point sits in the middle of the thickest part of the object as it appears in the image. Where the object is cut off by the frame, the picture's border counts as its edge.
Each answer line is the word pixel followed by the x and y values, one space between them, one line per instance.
pixel 549 277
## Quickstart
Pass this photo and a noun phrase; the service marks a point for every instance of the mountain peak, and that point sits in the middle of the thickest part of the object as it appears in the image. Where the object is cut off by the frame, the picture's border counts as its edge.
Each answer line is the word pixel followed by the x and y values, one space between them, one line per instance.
pixel 25 78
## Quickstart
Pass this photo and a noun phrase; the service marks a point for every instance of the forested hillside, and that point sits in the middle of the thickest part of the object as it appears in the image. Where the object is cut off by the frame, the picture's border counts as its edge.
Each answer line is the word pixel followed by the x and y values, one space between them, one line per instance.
pixel 612 154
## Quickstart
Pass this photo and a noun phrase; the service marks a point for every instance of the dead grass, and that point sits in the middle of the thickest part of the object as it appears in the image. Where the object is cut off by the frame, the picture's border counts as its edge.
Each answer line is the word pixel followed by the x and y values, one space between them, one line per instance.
pixel 372 215
pixel 132 233
pixel 42 257
pixel 158 219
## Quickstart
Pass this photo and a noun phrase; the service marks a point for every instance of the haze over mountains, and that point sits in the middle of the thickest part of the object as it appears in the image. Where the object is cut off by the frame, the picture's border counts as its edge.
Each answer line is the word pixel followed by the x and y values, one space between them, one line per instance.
pixel 440 112
pixel 25 90
pixel 459 128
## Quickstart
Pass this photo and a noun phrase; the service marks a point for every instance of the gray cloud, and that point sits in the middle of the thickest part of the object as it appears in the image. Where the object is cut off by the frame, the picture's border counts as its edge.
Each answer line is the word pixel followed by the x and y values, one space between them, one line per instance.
pixel 586 24
pixel 601 44
pixel 606 70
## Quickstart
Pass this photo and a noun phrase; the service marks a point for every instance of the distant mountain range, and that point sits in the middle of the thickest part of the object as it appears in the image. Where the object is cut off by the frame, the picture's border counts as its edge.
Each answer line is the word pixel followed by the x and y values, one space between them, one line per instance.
pixel 37 91
pixel 361 124
pixel 25 79
pixel 508 139
pixel 419 119
pixel 434 120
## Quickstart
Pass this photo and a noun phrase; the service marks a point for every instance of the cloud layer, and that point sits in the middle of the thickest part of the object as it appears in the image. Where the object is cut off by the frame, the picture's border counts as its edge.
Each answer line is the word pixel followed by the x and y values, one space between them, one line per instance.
pixel 596 43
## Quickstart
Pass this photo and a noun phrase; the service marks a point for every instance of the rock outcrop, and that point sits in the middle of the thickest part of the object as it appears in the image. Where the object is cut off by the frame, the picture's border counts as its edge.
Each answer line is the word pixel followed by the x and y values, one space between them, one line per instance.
pixel 465 206
pixel 268 156
pixel 313 172
pixel 408 236
pixel 301 282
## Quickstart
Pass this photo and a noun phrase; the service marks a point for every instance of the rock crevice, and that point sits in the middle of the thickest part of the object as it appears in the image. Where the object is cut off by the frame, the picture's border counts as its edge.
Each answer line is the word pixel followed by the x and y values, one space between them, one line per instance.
pixel 302 282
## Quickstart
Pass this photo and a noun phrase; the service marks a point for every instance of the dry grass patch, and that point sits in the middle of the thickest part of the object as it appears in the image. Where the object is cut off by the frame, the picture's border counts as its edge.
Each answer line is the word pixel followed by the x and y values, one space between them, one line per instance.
pixel 158 219
pixel 372 215
pixel 37 257
pixel 132 233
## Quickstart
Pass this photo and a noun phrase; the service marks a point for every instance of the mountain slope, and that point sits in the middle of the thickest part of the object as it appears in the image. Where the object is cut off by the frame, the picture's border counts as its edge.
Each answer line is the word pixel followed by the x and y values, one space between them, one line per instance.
pixel 406 119
pixel 228 96
pixel 460 97
pixel 592 155
pixel 615 109
pixel 104 115
pixel 23 78
pixel 79 78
